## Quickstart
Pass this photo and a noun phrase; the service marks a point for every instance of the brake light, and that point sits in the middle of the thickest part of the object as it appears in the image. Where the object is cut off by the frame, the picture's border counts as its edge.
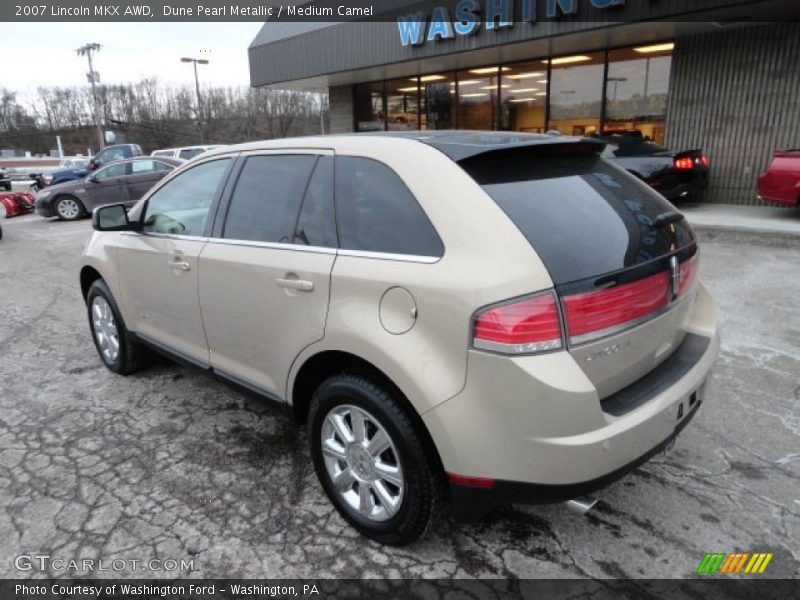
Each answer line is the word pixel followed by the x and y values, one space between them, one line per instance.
pixel 684 163
pixel 597 314
pixel 524 326
pixel 689 270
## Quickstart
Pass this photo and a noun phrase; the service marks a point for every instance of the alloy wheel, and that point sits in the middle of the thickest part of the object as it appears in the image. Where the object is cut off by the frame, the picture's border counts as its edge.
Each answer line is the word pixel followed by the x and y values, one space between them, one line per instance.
pixel 362 462
pixel 68 208
pixel 105 329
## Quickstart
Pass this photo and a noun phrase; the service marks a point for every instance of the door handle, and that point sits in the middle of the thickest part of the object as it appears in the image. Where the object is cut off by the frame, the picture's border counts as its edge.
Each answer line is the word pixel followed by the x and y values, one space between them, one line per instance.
pixel 299 285
pixel 179 265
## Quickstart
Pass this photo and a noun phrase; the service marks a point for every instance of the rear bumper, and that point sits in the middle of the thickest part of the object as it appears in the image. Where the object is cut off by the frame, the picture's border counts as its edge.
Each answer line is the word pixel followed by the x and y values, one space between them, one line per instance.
pixel 537 427
pixel 470 503
pixel 685 189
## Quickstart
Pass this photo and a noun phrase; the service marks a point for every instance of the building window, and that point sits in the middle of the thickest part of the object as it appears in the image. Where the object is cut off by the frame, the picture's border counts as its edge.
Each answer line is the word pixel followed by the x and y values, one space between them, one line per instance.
pixel 438 101
pixel 637 89
pixel 576 93
pixel 523 93
pixel 402 104
pixel 563 94
pixel 477 98
pixel 369 107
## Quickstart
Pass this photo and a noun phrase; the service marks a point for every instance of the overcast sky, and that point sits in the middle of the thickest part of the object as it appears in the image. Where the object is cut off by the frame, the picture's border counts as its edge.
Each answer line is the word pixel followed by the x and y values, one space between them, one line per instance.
pixel 34 54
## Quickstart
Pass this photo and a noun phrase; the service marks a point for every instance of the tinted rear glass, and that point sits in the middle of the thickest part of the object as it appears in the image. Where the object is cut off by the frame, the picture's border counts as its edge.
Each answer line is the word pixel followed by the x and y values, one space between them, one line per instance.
pixel 377 212
pixel 583 216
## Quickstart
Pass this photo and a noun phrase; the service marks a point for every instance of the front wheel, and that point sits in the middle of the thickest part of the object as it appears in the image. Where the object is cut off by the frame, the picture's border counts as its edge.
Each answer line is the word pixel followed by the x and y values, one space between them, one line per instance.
pixel 372 460
pixel 69 208
pixel 112 339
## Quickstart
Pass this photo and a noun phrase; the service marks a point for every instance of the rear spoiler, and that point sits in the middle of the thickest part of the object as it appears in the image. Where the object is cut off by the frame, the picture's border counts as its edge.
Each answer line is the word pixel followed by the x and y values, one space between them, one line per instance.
pixel 566 147
pixel 689 153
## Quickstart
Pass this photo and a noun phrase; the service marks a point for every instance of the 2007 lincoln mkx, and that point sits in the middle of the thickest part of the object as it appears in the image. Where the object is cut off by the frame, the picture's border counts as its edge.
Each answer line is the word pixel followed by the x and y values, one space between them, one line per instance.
pixel 461 319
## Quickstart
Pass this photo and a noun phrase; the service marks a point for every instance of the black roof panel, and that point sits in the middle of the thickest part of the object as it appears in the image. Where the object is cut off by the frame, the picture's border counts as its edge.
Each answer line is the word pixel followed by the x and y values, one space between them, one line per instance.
pixel 460 145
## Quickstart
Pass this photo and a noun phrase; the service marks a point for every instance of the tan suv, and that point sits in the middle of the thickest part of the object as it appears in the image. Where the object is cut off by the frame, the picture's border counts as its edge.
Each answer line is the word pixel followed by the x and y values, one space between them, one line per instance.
pixel 468 318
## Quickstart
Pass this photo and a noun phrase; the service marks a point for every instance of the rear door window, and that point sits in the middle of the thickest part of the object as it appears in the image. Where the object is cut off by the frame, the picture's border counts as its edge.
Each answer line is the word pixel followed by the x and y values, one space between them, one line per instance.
pixel 316 225
pixel 582 215
pixel 376 212
pixel 266 202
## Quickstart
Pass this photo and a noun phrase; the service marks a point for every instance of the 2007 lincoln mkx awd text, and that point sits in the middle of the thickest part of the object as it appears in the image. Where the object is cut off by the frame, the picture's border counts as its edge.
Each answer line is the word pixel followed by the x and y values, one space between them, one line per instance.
pixel 461 319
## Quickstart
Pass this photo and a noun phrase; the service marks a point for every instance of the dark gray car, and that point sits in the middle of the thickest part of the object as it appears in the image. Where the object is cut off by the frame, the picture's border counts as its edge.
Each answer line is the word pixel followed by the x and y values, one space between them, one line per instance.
pixel 124 181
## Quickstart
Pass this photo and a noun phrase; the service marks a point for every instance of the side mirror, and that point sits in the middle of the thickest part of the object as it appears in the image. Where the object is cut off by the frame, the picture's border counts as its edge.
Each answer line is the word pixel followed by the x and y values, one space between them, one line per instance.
pixel 113 217
pixel 93 165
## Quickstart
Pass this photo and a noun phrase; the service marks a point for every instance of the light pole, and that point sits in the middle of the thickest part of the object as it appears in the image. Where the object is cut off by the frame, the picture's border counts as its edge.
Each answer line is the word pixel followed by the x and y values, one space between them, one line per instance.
pixel 616 81
pixel 196 61
pixel 93 78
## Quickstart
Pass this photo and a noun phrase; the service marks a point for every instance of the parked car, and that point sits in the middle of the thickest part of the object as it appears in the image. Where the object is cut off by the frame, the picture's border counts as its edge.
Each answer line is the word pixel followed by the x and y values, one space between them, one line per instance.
pixel 675 175
pixel 780 184
pixel 5 181
pixel 185 153
pixel 15 204
pixel 119 182
pixel 106 155
pixel 473 318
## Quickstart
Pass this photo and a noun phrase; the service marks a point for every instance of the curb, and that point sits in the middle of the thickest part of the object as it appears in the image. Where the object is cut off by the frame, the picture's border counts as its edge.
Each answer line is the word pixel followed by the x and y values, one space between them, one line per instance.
pixel 763 237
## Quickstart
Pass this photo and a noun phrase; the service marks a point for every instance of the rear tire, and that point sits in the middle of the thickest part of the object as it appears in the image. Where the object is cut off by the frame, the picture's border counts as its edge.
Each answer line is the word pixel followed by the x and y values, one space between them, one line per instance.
pixel 389 486
pixel 112 339
pixel 69 208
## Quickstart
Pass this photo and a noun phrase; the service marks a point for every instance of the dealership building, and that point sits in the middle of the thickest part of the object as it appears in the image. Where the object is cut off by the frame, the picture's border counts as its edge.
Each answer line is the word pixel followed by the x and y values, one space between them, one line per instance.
pixel 720 75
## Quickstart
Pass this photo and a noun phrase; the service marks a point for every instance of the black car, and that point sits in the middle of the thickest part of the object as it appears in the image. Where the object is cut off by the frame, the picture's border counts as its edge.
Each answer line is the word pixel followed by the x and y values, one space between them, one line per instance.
pixel 676 175
pixel 124 182
pixel 5 181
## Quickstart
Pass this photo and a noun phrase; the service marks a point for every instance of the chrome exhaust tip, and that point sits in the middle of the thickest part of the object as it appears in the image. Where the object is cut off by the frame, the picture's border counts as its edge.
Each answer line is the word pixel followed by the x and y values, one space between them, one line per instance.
pixel 582 504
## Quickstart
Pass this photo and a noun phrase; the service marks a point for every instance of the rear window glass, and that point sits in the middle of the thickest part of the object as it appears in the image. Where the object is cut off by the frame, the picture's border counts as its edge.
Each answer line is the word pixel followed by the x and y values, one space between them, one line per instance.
pixel 583 216
pixel 378 213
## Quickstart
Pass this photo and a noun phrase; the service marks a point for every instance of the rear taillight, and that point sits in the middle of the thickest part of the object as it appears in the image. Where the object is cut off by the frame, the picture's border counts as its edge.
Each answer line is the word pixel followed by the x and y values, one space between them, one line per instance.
pixel 532 324
pixel 684 163
pixel 688 274
pixel 704 160
pixel 524 326
pixel 597 314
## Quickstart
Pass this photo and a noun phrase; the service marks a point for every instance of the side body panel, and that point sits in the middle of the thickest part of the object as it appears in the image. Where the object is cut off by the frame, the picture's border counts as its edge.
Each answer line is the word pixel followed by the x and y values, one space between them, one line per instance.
pixel 159 291
pixel 486 260
pixel 255 327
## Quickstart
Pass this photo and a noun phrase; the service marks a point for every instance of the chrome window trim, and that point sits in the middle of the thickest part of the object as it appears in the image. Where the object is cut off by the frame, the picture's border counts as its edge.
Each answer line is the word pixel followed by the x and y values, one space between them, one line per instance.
pixel 173 236
pixel 272 245
pixel 324 250
pixel 428 260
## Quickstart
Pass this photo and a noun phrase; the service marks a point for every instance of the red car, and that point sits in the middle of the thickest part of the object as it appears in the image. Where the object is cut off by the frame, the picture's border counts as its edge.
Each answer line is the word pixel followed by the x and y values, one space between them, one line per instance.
pixel 781 183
